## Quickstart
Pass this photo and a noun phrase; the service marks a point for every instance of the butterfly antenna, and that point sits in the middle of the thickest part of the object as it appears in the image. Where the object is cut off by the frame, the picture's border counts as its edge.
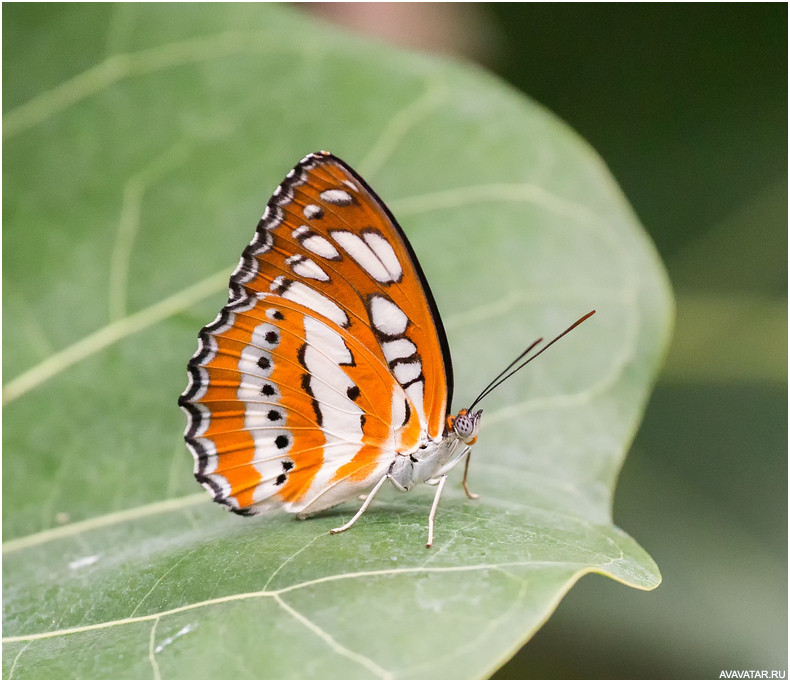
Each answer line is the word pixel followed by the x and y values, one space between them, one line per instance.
pixel 500 379
pixel 496 378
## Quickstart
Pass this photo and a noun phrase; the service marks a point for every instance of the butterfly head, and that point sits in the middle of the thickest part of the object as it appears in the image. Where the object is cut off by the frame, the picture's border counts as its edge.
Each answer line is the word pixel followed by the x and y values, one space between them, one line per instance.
pixel 465 425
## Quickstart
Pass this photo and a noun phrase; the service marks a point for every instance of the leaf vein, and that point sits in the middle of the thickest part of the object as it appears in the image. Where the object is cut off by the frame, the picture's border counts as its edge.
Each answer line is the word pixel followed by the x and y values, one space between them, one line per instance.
pixel 284 590
pixel 129 224
pixel 16 658
pixel 333 643
pixel 160 579
pixel 152 651
pixel 400 124
pixel 121 66
pixel 112 333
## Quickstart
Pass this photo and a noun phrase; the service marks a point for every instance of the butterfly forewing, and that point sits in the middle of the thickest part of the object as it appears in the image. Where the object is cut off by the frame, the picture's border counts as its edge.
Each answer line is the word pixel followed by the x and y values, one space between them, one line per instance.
pixel 329 358
pixel 328 242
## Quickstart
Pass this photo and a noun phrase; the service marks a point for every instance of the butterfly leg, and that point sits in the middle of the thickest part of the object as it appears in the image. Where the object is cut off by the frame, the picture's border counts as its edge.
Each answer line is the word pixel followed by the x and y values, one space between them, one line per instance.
pixel 439 485
pixel 471 496
pixel 364 506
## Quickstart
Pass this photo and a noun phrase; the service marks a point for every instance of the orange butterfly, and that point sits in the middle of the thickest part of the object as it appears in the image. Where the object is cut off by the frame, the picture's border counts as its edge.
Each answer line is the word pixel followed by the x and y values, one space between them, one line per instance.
pixel 328 371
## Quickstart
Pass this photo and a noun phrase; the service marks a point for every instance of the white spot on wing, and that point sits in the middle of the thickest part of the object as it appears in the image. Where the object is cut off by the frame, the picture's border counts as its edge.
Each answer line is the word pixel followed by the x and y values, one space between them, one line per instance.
pixel 385 253
pixel 263 414
pixel 324 354
pixel 311 211
pixel 304 267
pixel 415 393
pixel 248 362
pixel 398 348
pixel 269 460
pixel 265 335
pixel 315 243
pixel 310 298
pixel 321 247
pixel 365 257
pixel 339 197
pixel 407 371
pixel 277 283
pixel 331 345
pixel 398 407
pixel 387 317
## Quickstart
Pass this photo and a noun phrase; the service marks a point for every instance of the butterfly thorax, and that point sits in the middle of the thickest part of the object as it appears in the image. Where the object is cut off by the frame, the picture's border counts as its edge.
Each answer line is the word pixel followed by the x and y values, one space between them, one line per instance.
pixel 436 457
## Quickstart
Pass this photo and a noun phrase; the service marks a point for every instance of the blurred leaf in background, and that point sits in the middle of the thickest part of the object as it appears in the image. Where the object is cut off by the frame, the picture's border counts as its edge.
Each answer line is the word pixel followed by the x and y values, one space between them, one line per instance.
pixel 140 145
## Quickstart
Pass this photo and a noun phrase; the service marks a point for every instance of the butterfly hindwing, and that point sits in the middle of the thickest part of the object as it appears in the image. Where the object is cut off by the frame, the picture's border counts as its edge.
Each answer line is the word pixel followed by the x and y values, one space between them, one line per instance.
pixel 327 361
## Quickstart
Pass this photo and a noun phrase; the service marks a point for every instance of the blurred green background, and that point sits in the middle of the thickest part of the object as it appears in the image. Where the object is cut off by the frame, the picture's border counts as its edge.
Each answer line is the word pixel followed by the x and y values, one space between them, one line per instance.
pixel 687 104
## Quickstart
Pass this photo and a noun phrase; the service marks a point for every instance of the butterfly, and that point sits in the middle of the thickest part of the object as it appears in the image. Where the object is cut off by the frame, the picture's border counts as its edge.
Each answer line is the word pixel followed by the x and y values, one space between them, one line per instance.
pixel 328 372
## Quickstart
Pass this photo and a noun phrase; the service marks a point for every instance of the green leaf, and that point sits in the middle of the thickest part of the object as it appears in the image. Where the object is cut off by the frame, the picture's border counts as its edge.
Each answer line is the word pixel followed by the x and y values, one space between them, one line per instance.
pixel 141 143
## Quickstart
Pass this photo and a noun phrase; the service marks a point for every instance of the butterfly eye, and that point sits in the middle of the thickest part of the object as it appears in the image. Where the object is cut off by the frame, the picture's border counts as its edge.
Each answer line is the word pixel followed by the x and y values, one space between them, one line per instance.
pixel 466 425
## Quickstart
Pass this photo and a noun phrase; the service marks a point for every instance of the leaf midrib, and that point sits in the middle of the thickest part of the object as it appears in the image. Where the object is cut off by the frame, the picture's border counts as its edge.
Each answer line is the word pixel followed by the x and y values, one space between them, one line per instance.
pixel 290 588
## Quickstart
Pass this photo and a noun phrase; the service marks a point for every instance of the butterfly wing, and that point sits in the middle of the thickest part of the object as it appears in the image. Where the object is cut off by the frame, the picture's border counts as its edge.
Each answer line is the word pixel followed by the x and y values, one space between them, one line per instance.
pixel 329 357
